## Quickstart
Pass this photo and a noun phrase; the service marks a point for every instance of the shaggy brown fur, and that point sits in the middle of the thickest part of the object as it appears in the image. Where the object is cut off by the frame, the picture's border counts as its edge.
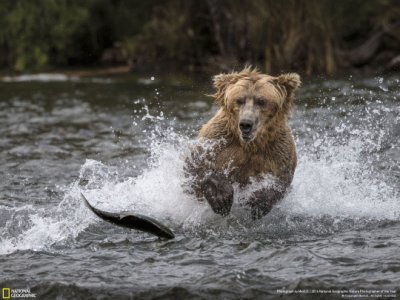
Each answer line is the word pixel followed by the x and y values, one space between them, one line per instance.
pixel 265 147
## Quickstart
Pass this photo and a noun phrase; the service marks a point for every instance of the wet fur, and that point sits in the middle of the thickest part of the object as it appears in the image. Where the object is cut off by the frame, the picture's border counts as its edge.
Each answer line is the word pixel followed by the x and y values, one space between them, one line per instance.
pixel 272 151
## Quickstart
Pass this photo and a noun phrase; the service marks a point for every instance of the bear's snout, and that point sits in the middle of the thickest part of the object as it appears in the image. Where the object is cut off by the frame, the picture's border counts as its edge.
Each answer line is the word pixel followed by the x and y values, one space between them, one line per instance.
pixel 246 128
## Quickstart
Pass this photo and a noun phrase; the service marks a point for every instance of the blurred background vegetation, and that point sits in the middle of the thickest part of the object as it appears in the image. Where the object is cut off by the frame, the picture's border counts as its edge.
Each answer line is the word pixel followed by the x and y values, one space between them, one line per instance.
pixel 310 36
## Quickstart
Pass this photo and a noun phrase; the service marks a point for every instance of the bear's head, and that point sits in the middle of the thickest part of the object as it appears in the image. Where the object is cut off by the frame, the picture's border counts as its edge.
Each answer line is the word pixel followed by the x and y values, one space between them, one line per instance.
pixel 255 103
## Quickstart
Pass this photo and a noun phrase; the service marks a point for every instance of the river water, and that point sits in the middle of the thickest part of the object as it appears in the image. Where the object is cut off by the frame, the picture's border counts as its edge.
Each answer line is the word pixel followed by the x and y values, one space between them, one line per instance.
pixel 122 141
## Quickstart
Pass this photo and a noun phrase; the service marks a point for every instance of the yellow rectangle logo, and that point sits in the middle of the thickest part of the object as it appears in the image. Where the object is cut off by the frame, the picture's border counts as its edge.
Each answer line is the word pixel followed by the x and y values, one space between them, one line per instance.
pixel 6 293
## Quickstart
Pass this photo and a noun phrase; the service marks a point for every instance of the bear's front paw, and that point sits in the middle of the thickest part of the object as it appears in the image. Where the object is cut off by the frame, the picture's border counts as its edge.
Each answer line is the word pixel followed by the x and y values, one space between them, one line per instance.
pixel 259 204
pixel 262 201
pixel 219 193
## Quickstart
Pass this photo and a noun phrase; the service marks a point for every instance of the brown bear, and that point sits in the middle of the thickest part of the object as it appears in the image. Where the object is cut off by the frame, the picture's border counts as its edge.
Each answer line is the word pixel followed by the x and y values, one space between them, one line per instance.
pixel 251 139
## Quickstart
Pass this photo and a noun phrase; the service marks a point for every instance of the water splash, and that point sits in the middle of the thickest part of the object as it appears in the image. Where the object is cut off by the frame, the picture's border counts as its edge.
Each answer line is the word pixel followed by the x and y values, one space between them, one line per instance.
pixel 336 181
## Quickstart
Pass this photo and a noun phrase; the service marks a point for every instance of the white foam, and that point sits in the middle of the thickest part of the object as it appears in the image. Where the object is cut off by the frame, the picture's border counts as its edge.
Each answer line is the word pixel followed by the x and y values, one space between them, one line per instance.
pixel 342 188
pixel 332 179
pixel 43 77
pixel 52 77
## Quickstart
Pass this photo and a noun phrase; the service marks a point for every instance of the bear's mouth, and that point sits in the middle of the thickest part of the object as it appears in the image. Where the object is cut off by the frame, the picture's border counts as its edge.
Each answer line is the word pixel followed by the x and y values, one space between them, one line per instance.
pixel 248 137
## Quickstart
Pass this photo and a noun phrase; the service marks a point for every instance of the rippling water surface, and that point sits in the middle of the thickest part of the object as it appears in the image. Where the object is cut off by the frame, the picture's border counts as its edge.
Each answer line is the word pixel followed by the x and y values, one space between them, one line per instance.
pixel 122 141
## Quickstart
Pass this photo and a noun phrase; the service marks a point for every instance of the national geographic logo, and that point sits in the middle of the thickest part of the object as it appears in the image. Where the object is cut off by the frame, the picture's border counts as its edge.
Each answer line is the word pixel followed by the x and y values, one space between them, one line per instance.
pixel 7 293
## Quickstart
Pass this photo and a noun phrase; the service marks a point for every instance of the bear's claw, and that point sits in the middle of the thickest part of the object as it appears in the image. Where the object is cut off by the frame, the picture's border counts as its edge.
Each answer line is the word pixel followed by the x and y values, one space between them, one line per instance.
pixel 218 192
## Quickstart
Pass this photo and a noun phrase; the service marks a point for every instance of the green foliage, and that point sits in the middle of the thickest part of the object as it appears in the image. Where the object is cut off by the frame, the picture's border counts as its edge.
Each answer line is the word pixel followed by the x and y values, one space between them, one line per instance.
pixel 36 32
pixel 280 35
pixel 169 35
pixel 305 35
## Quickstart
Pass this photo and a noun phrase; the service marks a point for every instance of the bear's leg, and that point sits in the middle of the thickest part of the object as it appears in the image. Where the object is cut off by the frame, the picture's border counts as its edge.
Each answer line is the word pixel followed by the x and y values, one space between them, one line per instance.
pixel 218 192
pixel 262 201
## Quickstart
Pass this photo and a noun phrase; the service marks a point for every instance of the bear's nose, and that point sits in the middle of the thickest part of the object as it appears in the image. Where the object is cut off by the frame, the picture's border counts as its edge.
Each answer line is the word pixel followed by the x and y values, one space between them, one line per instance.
pixel 246 126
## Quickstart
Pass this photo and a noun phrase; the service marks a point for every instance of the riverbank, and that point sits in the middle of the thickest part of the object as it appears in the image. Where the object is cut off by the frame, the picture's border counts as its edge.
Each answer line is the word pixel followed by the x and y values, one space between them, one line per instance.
pixel 63 74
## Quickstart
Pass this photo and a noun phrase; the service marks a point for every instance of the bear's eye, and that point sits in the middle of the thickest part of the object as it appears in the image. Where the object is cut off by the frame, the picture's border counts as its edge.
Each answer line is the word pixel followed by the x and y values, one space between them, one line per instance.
pixel 240 101
pixel 260 102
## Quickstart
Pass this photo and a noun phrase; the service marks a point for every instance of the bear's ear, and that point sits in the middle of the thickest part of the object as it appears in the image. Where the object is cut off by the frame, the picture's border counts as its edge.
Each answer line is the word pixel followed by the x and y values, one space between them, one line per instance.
pixel 290 82
pixel 221 82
